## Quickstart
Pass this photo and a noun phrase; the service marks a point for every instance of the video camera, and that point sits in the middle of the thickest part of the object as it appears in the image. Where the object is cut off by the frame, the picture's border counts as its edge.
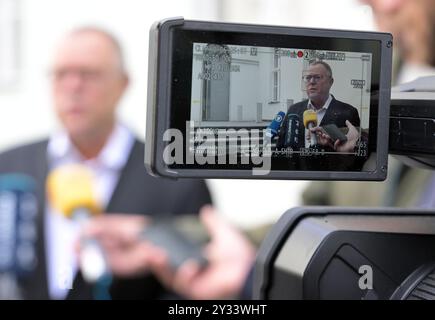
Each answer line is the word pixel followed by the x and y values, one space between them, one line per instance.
pixel 228 101
pixel 267 102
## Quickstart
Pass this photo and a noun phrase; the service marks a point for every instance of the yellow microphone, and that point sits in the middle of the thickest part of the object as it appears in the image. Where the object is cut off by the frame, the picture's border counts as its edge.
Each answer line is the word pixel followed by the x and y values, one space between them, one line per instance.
pixel 71 192
pixel 310 121
pixel 70 189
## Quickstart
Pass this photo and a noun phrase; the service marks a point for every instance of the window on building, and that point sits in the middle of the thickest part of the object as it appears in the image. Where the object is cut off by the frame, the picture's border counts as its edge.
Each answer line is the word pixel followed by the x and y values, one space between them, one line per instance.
pixel 275 77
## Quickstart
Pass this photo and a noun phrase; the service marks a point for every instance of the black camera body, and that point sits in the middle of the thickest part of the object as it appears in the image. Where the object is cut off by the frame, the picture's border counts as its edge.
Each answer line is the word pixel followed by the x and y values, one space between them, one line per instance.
pixel 348 253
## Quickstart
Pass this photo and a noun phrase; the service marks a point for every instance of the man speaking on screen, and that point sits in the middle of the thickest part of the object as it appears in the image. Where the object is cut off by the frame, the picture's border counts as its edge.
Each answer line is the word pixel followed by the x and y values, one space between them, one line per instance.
pixel 320 109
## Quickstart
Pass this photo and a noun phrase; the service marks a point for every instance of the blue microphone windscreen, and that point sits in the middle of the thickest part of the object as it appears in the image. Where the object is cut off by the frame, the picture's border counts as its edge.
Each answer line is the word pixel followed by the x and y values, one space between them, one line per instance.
pixel 276 122
pixel 18 214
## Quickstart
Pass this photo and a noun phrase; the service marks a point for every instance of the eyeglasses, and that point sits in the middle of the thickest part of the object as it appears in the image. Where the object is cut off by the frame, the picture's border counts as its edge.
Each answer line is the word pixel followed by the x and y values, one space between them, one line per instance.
pixel 312 77
pixel 87 75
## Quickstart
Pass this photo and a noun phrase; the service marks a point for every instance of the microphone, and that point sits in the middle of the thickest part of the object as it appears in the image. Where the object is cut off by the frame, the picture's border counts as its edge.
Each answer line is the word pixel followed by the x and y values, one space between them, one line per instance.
pixel 71 192
pixel 272 129
pixel 18 232
pixel 310 121
pixel 294 134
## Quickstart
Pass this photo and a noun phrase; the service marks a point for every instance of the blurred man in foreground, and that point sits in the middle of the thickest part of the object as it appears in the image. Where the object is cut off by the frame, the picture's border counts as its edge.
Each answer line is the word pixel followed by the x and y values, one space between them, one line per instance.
pixel 88 79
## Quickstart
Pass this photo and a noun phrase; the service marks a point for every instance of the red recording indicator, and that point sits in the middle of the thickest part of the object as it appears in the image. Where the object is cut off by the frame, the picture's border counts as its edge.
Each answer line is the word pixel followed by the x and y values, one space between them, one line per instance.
pixel 300 54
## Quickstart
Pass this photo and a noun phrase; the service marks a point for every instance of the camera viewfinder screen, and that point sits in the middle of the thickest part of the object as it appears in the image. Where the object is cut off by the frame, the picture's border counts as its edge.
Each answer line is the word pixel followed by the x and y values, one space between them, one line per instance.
pixel 306 109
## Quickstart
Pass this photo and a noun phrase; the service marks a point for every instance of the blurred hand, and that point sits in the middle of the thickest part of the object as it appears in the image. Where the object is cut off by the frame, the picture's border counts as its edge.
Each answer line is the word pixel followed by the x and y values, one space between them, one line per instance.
pixel 230 256
pixel 119 236
pixel 323 138
pixel 352 138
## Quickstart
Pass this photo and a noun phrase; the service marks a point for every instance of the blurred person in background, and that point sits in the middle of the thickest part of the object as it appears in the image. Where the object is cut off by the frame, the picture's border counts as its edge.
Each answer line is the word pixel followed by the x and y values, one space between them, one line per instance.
pixel 412 24
pixel 229 249
pixel 88 79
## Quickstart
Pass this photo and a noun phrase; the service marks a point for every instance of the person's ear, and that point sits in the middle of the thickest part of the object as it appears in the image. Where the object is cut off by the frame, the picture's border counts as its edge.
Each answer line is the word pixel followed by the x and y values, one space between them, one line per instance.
pixel 126 80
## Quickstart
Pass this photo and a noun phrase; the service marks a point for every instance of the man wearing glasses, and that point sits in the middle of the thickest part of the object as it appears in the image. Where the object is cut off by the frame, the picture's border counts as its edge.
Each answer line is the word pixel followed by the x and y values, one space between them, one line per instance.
pixel 318 81
pixel 88 80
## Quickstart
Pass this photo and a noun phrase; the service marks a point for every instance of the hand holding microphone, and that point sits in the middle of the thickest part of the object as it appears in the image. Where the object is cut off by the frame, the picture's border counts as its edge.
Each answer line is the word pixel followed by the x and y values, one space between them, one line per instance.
pixel 330 135
pixel 310 122
pixel 352 138
pixel 71 192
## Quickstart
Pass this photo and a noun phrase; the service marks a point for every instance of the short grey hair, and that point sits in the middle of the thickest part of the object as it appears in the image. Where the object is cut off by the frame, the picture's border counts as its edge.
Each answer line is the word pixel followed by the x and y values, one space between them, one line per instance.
pixel 105 34
pixel 324 64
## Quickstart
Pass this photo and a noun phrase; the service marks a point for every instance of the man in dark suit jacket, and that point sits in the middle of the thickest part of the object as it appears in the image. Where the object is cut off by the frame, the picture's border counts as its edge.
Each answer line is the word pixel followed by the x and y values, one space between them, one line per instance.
pixel 88 79
pixel 318 81
pixel 136 192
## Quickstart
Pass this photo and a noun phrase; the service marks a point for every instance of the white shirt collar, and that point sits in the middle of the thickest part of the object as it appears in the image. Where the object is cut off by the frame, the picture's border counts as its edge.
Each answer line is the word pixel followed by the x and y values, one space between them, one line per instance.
pixel 60 232
pixel 324 107
pixel 114 155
